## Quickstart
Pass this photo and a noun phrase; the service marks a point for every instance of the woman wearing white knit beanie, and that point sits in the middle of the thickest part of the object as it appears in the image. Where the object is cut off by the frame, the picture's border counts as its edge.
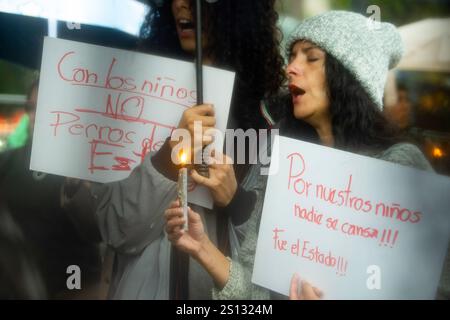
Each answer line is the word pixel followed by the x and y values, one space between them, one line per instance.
pixel 338 63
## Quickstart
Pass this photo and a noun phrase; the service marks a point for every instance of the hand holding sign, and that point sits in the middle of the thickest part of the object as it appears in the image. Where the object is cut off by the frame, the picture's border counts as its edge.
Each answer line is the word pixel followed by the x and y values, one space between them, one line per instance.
pixel 221 181
pixel 305 292
pixel 338 224
pixel 100 111
pixel 202 115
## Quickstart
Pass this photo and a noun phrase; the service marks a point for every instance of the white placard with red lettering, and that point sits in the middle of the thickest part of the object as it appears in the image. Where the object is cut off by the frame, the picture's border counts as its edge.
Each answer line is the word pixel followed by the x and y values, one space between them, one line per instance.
pixel 101 110
pixel 353 226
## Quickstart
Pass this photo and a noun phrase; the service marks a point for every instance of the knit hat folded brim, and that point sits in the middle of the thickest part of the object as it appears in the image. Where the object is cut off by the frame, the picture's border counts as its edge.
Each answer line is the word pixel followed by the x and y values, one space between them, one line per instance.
pixel 367 49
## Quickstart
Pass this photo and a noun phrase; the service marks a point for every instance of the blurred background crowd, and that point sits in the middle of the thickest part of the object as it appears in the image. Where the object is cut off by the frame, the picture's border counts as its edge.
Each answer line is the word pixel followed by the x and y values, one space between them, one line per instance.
pixel 417 98
pixel 35 249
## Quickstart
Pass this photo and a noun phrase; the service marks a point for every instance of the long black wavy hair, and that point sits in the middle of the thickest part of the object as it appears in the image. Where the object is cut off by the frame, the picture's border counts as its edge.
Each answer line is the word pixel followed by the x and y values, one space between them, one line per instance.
pixel 244 38
pixel 358 124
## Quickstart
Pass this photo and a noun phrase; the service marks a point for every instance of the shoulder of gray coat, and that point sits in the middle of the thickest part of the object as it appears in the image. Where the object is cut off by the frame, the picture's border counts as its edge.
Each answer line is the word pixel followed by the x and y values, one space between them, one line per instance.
pixel 406 154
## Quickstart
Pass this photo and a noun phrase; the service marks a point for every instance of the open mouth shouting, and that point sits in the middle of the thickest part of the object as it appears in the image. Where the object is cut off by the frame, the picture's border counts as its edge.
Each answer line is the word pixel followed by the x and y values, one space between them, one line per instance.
pixel 296 92
pixel 186 27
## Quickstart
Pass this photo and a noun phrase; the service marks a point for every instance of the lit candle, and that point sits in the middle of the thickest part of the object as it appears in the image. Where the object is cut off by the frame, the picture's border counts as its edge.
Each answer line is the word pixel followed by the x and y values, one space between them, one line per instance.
pixel 182 188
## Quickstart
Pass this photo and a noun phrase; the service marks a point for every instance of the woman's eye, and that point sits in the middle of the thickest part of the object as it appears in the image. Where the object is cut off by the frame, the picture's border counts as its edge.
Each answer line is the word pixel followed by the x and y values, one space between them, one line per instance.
pixel 313 59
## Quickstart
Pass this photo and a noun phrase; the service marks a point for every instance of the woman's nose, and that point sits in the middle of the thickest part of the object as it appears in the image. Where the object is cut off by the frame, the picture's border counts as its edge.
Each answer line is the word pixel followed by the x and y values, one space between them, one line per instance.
pixel 179 4
pixel 294 69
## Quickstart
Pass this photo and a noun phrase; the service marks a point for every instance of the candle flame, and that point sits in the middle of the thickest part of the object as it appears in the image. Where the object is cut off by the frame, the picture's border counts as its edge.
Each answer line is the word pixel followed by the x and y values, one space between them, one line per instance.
pixel 183 158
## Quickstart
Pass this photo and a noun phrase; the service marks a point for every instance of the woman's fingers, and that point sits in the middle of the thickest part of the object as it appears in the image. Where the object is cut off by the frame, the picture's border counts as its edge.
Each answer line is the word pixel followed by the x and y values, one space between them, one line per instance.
pixel 174 204
pixel 206 121
pixel 201 138
pixel 218 159
pixel 194 217
pixel 207 140
pixel 308 292
pixel 318 292
pixel 207 182
pixel 174 223
pixel 173 213
pixel 174 220
pixel 293 292
pixel 203 110
pixel 175 236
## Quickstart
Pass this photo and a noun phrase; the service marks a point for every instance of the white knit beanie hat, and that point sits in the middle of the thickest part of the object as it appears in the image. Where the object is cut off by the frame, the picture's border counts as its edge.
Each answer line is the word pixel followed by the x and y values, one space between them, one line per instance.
pixel 365 48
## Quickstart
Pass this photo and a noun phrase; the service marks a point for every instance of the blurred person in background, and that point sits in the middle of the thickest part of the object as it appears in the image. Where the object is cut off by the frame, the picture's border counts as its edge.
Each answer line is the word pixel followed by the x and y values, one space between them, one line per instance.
pixel 20 276
pixel 400 113
pixel 57 236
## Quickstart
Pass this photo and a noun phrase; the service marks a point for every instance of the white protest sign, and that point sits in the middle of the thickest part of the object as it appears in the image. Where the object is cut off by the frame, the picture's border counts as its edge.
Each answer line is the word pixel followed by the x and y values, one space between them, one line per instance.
pixel 353 226
pixel 101 110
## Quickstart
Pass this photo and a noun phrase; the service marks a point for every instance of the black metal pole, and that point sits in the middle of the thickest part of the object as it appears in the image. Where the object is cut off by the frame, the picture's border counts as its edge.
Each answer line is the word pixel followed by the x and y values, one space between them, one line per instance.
pixel 179 261
pixel 202 168
pixel 199 51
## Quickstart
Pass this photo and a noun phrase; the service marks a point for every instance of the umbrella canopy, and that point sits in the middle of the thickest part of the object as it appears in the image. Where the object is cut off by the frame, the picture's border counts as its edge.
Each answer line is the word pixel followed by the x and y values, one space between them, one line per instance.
pixel 21 38
pixel 427 45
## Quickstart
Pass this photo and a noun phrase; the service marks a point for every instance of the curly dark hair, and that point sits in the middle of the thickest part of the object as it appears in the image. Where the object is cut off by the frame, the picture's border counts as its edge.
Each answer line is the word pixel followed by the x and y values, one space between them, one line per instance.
pixel 243 37
pixel 358 124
